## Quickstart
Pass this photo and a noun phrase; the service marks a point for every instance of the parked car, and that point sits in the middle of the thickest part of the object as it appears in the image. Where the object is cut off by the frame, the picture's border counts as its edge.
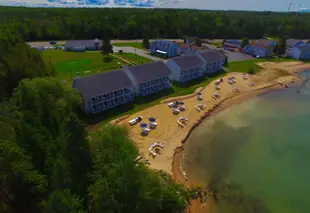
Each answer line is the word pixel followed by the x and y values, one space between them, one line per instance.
pixel 53 42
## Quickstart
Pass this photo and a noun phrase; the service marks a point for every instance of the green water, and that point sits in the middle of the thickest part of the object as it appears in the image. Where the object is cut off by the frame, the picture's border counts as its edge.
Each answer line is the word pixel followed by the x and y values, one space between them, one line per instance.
pixel 256 154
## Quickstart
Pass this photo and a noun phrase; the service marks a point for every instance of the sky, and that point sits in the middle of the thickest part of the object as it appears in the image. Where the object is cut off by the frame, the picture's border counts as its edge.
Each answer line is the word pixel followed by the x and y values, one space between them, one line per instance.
pixel 259 5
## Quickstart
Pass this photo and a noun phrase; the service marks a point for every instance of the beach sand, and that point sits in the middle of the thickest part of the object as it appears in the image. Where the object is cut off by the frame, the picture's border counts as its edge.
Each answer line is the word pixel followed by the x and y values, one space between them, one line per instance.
pixel 168 132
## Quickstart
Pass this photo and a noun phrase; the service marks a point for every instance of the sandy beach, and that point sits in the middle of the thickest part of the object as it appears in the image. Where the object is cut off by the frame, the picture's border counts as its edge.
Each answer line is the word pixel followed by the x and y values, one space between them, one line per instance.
pixel 168 132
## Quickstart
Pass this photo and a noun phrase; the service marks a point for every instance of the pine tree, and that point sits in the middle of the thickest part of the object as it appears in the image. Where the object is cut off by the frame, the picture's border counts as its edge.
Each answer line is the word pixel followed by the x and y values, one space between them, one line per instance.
pixel 107 47
pixel 146 43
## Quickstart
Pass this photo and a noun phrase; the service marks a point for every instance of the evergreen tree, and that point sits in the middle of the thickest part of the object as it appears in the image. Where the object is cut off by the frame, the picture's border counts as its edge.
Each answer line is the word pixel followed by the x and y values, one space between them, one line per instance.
pixel 281 46
pixel 107 47
pixel 244 41
pixel 146 43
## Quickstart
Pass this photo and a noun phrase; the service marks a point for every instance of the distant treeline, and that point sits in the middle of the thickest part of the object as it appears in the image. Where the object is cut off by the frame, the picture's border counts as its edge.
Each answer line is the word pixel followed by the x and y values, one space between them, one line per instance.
pixel 62 23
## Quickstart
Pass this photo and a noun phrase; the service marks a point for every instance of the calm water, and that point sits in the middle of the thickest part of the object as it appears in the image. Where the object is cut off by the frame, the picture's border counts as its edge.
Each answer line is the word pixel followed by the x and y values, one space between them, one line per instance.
pixel 256 154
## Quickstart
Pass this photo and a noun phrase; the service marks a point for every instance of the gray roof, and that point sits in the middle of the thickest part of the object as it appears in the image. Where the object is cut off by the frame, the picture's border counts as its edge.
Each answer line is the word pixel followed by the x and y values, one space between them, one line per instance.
pixel 291 42
pixel 212 55
pixel 305 48
pixel 265 42
pixel 102 83
pixel 79 43
pixel 150 71
pixel 188 61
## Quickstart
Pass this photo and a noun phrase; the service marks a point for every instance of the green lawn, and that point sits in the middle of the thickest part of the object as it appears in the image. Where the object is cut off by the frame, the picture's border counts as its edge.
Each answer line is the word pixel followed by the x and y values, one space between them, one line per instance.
pixel 129 44
pixel 135 58
pixel 245 66
pixel 67 64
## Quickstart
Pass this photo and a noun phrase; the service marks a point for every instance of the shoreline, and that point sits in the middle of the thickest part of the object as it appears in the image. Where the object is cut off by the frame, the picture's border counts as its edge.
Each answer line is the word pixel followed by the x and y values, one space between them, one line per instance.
pixel 179 175
pixel 271 76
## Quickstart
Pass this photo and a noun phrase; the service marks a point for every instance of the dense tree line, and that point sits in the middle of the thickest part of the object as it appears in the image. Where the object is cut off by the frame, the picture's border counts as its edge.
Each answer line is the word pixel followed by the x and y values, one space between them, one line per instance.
pixel 18 61
pixel 48 163
pixel 59 23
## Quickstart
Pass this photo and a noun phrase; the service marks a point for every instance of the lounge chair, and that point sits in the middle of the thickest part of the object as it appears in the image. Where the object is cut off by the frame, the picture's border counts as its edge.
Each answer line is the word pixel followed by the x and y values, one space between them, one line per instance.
pixel 135 120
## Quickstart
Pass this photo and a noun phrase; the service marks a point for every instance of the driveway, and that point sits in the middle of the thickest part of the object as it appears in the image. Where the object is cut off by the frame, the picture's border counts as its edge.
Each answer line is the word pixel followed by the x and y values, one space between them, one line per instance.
pixel 138 52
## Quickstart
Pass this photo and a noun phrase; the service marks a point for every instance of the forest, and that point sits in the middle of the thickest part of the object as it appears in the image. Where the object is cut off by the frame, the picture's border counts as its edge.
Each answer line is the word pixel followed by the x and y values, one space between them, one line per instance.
pixel 34 24
pixel 48 161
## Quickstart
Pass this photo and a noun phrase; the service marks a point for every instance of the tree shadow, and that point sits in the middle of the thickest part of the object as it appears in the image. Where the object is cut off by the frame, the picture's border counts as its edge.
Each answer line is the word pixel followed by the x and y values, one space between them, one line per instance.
pixel 107 59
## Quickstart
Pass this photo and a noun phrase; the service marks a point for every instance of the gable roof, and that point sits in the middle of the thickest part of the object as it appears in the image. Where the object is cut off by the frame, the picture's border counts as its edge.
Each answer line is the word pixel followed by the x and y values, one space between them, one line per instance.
pixel 78 43
pixel 102 83
pixel 150 71
pixel 188 61
pixel 259 45
pixel 265 42
pixel 305 48
pixel 212 55
pixel 191 46
pixel 292 42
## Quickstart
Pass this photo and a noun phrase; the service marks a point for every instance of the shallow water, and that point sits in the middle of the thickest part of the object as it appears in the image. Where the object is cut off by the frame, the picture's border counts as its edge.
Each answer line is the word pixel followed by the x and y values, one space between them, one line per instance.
pixel 256 154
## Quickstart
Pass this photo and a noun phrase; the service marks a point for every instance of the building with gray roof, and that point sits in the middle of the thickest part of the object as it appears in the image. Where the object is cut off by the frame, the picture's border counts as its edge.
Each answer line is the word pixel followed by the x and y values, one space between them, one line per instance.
pixel 105 90
pixel 83 45
pixel 300 52
pixel 186 67
pixel 149 78
pixel 214 60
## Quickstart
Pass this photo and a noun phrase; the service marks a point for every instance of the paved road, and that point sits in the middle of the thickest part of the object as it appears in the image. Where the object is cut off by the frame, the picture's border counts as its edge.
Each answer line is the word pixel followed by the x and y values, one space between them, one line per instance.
pixel 138 52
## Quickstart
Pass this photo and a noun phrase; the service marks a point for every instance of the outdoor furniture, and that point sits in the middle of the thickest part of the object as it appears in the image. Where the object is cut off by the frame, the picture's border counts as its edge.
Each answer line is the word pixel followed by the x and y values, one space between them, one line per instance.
pixel 135 120
pixel 171 104
pixel 153 125
pixel 182 108
pixel 151 119
pixel 175 111
pixel 199 97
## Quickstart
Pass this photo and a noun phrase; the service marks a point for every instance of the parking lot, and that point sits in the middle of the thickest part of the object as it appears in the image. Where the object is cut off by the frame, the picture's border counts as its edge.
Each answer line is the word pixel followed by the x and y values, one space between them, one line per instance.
pixel 232 56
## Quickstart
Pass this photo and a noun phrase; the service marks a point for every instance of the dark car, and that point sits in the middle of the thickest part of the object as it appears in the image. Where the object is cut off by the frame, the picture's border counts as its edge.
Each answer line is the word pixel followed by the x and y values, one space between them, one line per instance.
pixel 53 42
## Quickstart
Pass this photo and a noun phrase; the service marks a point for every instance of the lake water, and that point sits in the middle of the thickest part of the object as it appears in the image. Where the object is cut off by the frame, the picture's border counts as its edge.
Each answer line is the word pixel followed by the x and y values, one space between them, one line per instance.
pixel 256 154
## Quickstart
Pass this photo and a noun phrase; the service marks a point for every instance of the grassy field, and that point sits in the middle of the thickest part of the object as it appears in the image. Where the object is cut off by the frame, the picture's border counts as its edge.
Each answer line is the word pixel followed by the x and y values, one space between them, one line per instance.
pixel 135 58
pixel 130 44
pixel 68 64
pixel 245 66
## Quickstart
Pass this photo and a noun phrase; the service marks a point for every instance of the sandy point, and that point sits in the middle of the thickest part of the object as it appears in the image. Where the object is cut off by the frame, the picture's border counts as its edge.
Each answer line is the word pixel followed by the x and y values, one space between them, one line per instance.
pixel 172 135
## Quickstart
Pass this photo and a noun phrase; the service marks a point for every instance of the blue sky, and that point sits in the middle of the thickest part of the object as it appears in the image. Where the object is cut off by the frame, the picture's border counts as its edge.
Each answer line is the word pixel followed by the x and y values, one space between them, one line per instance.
pixel 273 5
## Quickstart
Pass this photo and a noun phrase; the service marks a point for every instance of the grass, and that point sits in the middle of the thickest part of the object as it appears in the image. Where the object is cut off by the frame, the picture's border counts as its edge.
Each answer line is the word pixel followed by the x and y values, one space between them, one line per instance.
pixel 135 58
pixel 129 44
pixel 246 66
pixel 68 64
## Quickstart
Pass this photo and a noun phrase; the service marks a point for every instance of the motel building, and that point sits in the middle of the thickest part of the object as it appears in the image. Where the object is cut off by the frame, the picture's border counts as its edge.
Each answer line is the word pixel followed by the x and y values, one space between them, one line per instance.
pixel 300 52
pixel 165 48
pixel 214 60
pixel 105 90
pixel 83 45
pixel 149 78
pixel 186 68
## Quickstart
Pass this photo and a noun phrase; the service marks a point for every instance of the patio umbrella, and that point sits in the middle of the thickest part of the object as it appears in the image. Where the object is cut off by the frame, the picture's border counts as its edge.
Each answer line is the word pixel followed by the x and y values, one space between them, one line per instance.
pixel 143 125
pixel 151 119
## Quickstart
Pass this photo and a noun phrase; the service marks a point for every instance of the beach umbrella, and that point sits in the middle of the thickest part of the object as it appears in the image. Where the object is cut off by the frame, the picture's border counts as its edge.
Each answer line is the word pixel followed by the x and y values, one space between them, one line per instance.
pixel 143 125
pixel 151 119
